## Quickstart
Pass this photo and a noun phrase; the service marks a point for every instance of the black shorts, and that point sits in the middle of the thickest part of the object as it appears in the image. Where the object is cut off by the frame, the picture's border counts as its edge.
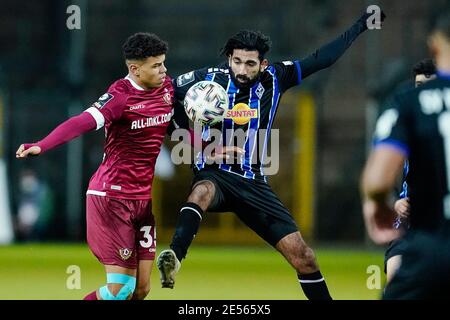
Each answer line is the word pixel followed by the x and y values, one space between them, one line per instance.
pixel 425 269
pixel 253 201
pixel 396 248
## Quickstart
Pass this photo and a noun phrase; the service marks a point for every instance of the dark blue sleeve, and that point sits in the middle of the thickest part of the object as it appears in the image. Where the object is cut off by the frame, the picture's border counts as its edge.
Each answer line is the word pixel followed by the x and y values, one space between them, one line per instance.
pixel 288 74
pixel 331 52
pixel 182 83
pixel 392 125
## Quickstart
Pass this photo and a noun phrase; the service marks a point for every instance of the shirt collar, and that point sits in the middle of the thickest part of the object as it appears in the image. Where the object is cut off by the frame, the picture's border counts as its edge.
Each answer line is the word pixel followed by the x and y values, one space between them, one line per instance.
pixel 133 83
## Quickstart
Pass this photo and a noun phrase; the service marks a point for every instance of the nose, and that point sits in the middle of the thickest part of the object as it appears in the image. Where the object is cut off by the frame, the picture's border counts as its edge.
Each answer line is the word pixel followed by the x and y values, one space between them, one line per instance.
pixel 242 70
pixel 163 69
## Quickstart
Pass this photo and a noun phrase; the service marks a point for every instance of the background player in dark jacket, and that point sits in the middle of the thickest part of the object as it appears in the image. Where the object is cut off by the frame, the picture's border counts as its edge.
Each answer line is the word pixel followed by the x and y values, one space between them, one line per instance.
pixel 252 84
pixel 423 72
pixel 416 128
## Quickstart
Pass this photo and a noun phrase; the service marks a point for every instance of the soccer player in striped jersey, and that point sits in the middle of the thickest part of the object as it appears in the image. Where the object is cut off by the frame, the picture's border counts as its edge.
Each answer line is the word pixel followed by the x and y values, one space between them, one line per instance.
pixel 136 112
pixel 254 87
pixel 423 71
pixel 416 128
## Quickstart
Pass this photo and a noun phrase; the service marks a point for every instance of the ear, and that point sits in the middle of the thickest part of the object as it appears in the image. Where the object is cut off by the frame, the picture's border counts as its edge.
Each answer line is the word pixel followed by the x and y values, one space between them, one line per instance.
pixel 133 69
pixel 434 43
pixel 264 65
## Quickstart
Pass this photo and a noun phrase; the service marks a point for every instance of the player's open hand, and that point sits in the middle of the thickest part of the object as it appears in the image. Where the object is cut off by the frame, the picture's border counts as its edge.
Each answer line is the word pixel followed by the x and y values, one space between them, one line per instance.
pixel 26 150
pixel 379 219
pixel 402 207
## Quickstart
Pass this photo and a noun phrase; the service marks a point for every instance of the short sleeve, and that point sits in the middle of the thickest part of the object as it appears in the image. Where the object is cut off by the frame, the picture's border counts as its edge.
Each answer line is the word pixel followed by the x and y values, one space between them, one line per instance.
pixel 183 82
pixel 289 74
pixel 108 108
pixel 392 125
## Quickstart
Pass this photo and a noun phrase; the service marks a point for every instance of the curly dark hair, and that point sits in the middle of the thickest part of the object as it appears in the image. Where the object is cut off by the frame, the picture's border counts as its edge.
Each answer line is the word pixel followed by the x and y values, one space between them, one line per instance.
pixel 425 67
pixel 248 40
pixel 142 45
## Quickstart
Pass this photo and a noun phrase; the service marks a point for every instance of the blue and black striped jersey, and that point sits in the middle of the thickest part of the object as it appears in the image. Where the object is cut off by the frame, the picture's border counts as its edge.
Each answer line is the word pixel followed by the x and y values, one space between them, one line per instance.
pixel 262 98
pixel 260 102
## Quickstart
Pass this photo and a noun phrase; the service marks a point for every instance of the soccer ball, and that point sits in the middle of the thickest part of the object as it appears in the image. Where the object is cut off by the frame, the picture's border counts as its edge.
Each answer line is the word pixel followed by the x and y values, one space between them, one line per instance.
pixel 206 102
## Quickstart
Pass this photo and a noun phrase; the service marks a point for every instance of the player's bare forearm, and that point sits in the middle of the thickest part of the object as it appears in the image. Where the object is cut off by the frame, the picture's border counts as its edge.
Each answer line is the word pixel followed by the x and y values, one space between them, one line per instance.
pixel 384 165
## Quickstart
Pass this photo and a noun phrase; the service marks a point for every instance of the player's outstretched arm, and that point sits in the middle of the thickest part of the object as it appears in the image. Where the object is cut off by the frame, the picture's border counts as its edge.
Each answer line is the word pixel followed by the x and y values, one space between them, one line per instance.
pixel 384 165
pixel 328 54
pixel 65 132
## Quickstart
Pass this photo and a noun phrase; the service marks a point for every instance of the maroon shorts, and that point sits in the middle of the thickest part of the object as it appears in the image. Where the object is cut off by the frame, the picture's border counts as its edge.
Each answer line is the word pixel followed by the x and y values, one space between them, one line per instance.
pixel 120 232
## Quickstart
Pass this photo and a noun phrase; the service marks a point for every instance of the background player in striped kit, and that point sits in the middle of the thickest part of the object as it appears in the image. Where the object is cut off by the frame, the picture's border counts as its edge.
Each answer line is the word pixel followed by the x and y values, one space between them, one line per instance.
pixel 252 83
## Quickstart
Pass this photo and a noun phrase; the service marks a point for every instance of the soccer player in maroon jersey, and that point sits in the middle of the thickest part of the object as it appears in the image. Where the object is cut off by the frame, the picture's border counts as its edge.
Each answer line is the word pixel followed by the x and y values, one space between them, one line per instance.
pixel 136 112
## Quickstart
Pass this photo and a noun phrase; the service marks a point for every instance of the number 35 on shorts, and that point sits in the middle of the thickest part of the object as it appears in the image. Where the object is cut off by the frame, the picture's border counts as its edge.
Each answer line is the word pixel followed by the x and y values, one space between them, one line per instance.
pixel 149 236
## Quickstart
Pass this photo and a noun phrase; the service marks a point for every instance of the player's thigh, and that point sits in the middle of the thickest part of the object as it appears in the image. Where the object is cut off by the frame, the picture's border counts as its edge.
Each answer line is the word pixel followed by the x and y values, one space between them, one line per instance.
pixel 110 231
pixel 145 228
pixel 262 211
pixel 207 191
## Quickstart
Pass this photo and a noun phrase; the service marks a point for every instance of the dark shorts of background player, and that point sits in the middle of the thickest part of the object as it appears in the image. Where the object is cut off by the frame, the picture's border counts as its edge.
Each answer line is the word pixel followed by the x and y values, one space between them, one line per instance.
pixel 425 269
pixel 253 201
pixel 396 248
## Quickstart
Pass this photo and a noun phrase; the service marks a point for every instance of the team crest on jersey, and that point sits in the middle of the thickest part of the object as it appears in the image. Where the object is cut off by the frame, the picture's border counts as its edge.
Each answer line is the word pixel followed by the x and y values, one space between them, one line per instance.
pixel 241 114
pixel 104 99
pixel 260 90
pixel 125 253
pixel 167 98
pixel 186 78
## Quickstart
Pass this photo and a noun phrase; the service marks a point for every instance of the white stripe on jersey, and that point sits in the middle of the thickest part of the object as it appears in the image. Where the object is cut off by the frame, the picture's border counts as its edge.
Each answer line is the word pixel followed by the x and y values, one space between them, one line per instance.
pixel 96 193
pixel 98 116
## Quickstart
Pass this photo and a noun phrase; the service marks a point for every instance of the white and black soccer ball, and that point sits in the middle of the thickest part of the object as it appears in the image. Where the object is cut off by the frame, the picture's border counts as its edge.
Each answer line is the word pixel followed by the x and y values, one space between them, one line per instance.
pixel 206 102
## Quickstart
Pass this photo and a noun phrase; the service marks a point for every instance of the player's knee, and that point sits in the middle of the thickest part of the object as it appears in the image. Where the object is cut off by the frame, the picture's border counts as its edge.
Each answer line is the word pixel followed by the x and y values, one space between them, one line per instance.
pixel 306 262
pixel 142 291
pixel 119 287
pixel 202 193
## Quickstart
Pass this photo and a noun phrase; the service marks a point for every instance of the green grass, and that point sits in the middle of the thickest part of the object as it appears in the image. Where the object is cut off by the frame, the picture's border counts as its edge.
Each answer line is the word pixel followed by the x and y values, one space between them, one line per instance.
pixel 38 271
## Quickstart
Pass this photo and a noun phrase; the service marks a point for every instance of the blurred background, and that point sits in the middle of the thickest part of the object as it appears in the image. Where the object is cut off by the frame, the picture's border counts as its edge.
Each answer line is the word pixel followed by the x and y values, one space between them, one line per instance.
pixel 49 73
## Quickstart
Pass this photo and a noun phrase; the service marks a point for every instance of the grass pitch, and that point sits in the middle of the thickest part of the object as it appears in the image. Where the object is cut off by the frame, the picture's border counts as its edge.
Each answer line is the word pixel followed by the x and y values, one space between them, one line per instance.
pixel 42 271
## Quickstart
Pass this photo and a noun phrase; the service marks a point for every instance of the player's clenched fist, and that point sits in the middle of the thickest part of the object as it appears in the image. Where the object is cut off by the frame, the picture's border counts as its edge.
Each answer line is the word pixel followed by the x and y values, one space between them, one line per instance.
pixel 26 150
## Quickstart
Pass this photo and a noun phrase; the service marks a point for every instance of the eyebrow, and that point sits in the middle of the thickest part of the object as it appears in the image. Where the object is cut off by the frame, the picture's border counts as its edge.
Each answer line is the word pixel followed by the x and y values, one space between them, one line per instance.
pixel 247 61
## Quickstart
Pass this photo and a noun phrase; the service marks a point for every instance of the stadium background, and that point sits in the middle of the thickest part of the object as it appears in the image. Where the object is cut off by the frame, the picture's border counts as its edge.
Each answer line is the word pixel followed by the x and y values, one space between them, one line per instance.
pixel 48 72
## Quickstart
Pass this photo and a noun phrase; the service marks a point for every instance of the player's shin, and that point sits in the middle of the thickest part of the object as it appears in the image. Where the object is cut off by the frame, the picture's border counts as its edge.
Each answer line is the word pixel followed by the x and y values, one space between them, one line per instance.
pixel 186 229
pixel 314 286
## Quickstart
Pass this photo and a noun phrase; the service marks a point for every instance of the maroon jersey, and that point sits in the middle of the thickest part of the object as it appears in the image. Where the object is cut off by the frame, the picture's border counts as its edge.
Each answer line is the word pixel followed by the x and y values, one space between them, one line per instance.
pixel 135 122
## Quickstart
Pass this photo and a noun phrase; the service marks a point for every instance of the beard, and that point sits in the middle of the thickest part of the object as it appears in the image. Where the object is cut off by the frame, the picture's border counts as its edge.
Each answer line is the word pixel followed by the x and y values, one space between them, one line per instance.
pixel 244 82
